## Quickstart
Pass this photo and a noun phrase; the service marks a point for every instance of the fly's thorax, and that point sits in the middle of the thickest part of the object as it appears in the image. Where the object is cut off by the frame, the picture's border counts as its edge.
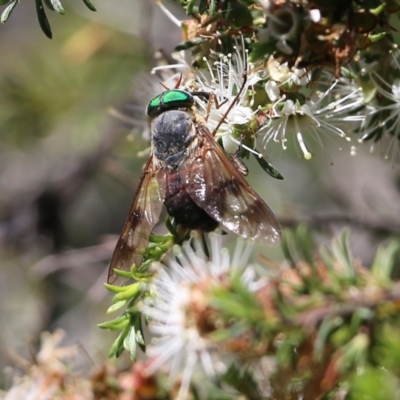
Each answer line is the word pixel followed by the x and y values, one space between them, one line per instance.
pixel 172 133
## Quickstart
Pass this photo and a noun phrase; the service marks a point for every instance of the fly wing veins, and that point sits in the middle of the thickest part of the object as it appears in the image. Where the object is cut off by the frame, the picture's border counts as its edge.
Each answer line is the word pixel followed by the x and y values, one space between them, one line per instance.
pixel 143 215
pixel 215 185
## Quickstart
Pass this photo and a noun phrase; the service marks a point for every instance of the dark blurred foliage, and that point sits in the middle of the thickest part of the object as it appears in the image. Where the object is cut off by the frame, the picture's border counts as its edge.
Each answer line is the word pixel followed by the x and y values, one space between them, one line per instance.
pixel 56 191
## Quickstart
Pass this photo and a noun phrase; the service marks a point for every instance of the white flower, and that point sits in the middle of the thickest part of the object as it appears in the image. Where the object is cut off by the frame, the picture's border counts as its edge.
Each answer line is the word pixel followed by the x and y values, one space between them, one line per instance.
pixel 172 73
pixel 282 74
pixel 317 115
pixel 388 115
pixel 273 91
pixel 179 312
pixel 230 80
pixel 238 115
pixel 315 15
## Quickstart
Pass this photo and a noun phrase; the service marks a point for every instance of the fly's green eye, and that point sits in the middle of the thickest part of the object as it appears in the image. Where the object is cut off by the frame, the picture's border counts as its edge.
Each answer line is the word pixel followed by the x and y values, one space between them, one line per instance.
pixel 153 107
pixel 177 98
pixel 169 100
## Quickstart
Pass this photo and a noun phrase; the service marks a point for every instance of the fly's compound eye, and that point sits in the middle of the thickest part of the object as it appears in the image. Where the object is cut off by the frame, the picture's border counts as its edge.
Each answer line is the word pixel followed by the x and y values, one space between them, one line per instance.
pixel 169 100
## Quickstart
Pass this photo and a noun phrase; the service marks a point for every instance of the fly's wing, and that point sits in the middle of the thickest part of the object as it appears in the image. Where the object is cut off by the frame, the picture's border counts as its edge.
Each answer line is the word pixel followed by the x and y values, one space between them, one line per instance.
pixel 143 215
pixel 217 187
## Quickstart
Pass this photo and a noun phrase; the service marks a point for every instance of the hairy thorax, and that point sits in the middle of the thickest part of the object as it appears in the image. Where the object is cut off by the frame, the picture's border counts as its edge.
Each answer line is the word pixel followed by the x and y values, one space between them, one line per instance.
pixel 173 134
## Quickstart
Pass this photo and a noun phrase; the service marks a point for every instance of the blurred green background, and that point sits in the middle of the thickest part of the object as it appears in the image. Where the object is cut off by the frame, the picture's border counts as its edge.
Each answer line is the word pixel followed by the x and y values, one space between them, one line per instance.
pixel 69 167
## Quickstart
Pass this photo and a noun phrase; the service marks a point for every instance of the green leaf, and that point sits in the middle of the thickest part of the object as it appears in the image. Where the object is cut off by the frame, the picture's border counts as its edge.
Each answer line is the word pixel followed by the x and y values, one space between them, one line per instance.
pixel 377 37
pixel 243 381
pixel 361 315
pixel 7 12
pixel 123 274
pixel 384 261
pixel 203 6
pixel 189 7
pixel 238 303
pixel 305 243
pixel 191 43
pixel 213 7
pixel 130 343
pixel 57 6
pixel 347 73
pixel 132 292
pixel 268 168
pixel 261 50
pixel 116 306
pixel 238 15
pixel 327 326
pixel 354 353
pixel 89 5
pixel 289 247
pixel 115 324
pixel 139 332
pixel 43 21
pixel 114 288
pixel 341 252
pixel 373 384
pixel 117 347
pixel 387 352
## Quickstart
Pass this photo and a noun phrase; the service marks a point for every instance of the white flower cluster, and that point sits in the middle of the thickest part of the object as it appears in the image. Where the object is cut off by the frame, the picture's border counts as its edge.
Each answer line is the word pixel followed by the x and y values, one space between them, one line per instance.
pixel 293 108
pixel 179 309
pixel 323 112
pixel 383 111
pixel 296 104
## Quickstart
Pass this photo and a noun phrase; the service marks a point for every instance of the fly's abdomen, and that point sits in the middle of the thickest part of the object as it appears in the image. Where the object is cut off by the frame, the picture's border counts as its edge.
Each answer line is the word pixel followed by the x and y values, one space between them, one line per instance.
pixel 183 209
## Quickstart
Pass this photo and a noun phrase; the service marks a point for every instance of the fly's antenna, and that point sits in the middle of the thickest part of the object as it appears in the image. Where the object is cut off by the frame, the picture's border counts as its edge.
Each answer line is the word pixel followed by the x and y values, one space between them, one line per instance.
pixel 178 83
pixel 164 86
